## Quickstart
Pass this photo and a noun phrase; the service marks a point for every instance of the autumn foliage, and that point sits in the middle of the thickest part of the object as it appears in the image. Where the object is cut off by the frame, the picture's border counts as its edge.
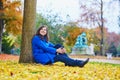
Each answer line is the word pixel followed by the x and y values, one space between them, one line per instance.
pixel 12 70
pixel 93 36
pixel 12 16
pixel 73 32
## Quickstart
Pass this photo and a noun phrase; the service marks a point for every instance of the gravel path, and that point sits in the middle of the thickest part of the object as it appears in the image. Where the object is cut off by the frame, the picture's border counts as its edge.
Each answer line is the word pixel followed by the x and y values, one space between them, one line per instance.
pixel 102 60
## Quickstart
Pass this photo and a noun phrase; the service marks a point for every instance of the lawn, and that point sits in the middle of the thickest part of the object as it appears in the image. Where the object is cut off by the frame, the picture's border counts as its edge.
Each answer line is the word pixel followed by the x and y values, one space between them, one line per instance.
pixel 12 70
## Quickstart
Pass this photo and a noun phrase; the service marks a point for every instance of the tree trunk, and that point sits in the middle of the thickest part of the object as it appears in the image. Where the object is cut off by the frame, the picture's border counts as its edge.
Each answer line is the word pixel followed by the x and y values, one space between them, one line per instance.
pixel 1 25
pixel 102 50
pixel 28 30
pixel 119 14
pixel 1 31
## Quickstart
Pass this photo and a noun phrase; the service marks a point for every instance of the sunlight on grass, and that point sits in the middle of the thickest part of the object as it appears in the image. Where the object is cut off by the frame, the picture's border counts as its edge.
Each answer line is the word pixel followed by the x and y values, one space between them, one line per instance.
pixel 10 70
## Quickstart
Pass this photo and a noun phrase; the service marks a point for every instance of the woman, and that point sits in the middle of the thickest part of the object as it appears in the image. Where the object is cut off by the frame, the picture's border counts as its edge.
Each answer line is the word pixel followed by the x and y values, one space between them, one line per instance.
pixel 45 52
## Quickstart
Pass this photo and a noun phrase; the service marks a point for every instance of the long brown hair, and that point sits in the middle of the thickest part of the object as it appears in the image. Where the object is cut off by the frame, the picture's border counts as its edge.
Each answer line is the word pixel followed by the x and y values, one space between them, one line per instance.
pixel 38 33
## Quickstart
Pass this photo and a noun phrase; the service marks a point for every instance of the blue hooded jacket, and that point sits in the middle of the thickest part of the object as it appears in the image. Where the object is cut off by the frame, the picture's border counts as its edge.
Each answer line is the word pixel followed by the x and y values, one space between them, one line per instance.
pixel 43 51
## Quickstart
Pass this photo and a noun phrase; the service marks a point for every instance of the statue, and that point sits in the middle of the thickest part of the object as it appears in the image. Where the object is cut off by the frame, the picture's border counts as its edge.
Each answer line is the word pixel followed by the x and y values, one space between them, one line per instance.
pixel 81 41
pixel 81 44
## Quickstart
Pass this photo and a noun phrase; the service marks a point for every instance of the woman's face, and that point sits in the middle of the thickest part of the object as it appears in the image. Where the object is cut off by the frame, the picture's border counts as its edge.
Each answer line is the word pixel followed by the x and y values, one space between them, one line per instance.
pixel 43 31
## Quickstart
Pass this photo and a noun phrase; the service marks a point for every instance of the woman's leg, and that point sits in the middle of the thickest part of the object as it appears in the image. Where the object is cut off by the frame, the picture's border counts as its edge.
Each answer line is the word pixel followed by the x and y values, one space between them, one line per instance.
pixel 58 46
pixel 70 62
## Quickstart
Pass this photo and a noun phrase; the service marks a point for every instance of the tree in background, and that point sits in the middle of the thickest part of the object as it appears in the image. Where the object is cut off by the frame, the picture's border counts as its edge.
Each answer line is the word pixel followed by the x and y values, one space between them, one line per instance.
pixel 118 50
pixel 101 25
pixel 53 22
pixel 95 37
pixel 41 20
pixel 28 31
pixel 113 37
pixel 10 18
pixel 71 31
pixel 119 15
pixel 112 49
pixel 1 25
pixel 94 17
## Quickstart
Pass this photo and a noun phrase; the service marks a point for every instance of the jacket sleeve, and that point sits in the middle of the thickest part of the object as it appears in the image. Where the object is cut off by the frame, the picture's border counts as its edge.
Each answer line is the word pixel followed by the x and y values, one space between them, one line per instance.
pixel 38 42
pixel 51 44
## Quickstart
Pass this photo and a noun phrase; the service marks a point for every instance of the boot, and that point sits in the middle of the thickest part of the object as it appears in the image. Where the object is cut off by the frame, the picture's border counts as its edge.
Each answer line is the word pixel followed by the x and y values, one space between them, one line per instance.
pixel 84 62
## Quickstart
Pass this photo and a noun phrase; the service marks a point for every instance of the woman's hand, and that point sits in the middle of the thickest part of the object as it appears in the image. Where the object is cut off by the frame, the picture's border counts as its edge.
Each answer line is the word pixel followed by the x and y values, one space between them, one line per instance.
pixel 63 50
pixel 59 50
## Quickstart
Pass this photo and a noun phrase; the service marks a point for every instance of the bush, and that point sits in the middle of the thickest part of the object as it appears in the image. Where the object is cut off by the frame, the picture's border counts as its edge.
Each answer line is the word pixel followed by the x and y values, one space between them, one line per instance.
pixel 112 49
pixel 7 43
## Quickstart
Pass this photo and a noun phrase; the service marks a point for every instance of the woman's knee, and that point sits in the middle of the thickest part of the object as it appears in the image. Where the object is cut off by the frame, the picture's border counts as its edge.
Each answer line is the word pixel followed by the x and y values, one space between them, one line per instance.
pixel 58 46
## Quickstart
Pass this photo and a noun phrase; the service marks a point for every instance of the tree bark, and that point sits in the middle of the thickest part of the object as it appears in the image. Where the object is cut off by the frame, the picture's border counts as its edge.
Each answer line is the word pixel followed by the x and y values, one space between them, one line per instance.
pixel 1 32
pixel 1 25
pixel 119 14
pixel 102 50
pixel 28 30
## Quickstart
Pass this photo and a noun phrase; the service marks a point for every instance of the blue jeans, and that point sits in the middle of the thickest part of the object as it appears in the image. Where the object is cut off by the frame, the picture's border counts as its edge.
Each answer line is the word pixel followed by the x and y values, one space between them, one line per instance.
pixel 66 59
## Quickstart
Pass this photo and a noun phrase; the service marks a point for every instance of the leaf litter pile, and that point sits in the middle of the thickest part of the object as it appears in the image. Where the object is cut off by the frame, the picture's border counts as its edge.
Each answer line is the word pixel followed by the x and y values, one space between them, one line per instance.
pixel 12 70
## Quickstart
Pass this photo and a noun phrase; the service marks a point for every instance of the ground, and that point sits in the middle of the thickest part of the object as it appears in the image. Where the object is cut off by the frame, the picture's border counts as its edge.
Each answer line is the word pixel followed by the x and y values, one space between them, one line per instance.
pixel 114 60
pixel 9 57
pixel 10 69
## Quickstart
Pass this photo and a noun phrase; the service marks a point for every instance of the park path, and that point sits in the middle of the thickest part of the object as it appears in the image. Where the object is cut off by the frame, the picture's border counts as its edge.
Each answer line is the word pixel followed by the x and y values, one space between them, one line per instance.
pixel 102 60
pixel 16 58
